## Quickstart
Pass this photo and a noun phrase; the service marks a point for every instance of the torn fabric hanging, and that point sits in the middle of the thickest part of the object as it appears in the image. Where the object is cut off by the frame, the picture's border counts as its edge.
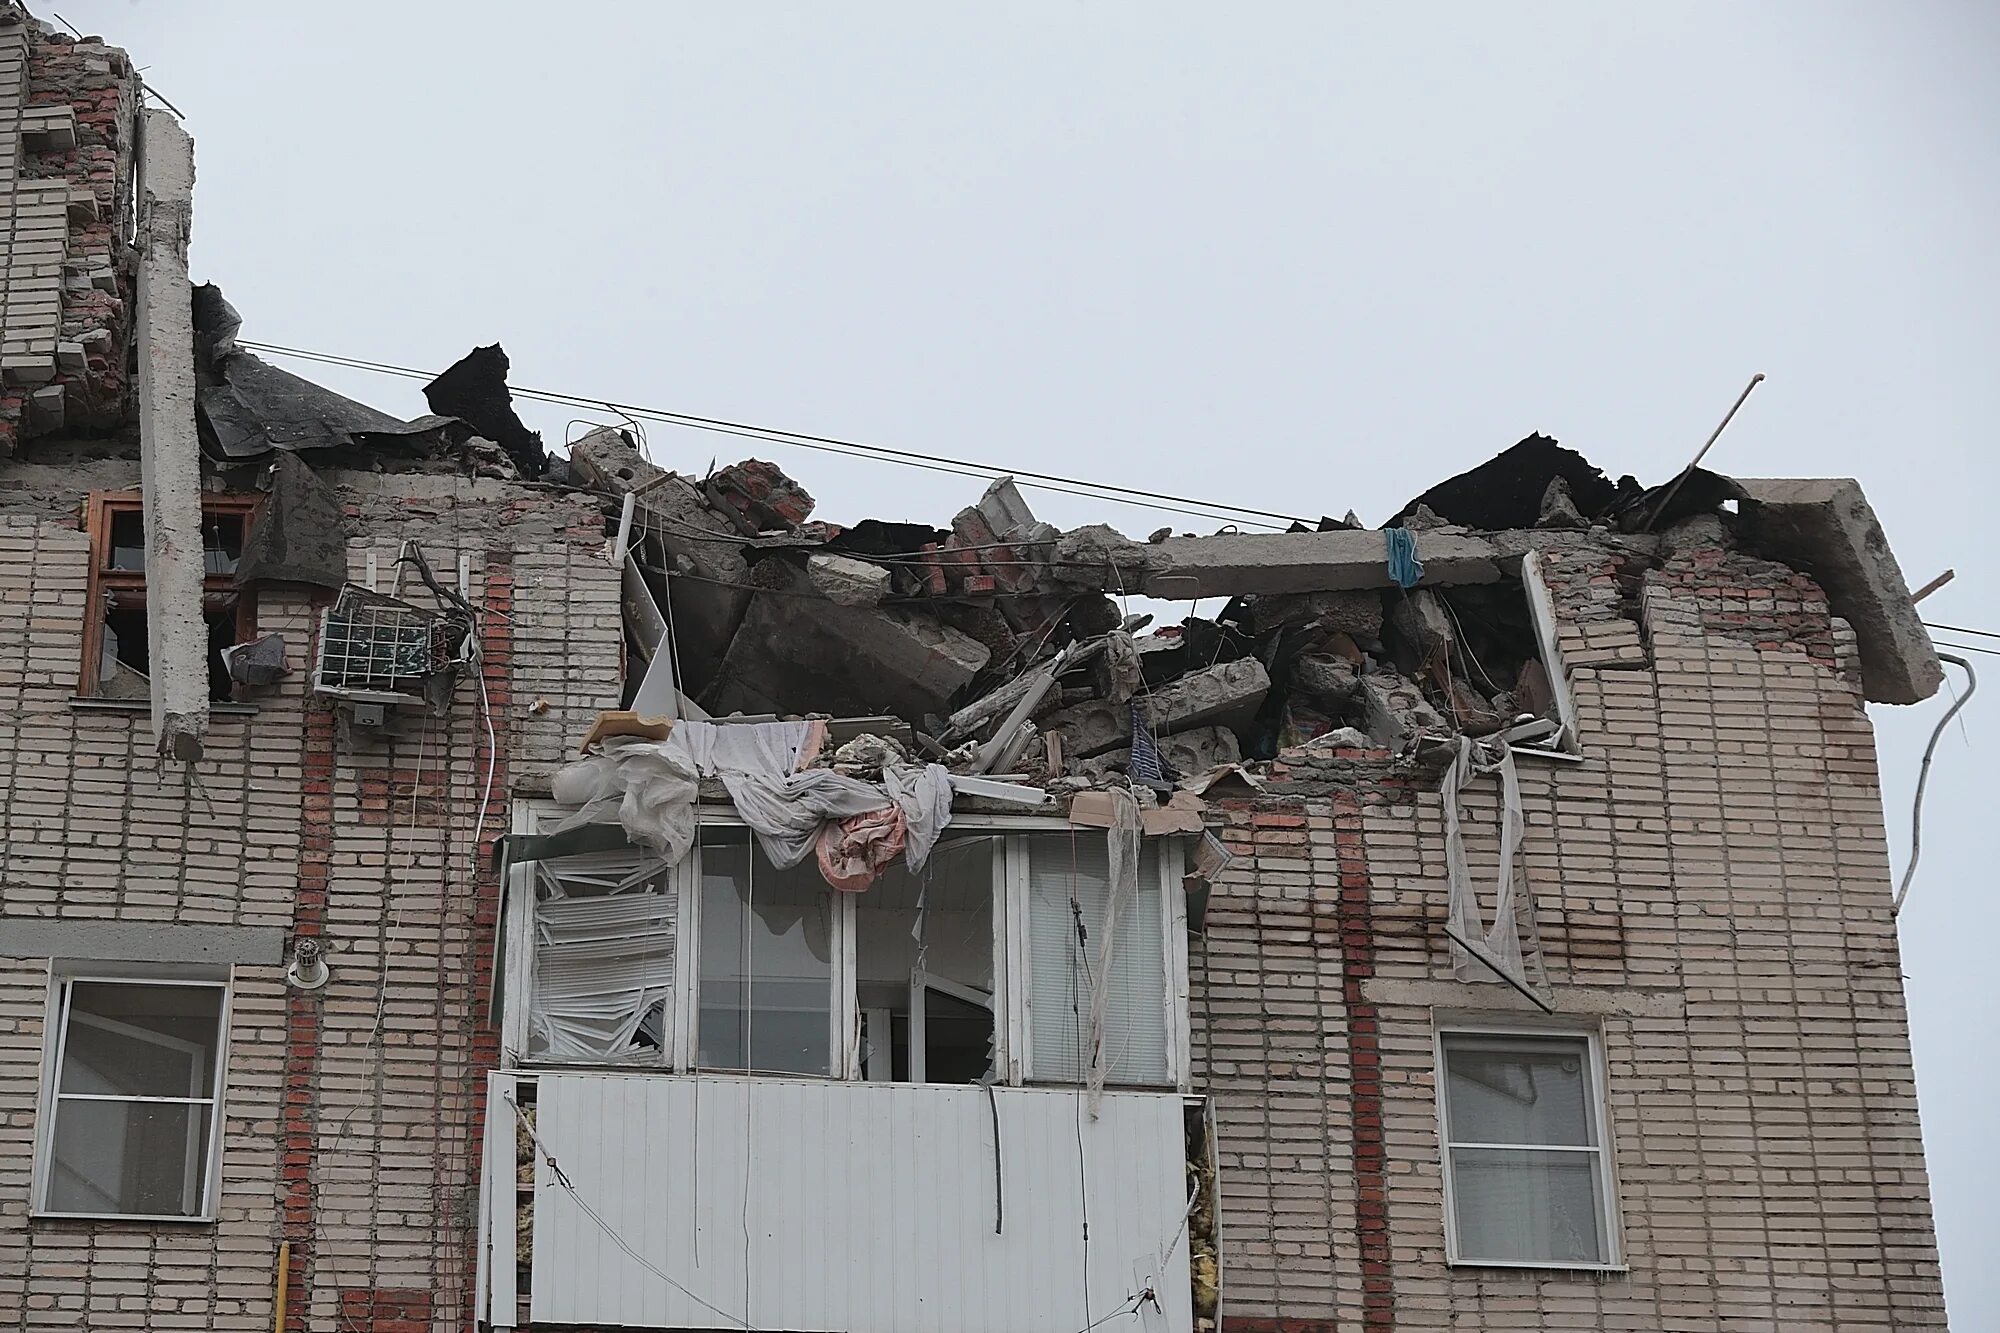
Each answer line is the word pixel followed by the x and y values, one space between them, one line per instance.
pixel 1479 951
pixel 1122 889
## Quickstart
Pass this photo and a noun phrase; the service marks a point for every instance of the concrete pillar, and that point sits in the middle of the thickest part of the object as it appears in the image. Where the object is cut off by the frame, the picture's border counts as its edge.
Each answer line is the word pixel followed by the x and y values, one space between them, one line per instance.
pixel 169 449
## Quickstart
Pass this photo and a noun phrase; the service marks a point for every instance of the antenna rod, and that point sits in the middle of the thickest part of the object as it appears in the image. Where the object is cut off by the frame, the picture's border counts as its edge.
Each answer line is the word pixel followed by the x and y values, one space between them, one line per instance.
pixel 1687 471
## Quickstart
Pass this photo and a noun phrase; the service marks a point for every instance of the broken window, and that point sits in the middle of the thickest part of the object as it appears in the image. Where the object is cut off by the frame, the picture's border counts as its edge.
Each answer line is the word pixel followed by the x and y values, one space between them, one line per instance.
pixel 1526 1170
pixel 1069 885
pixel 766 969
pixel 116 652
pixel 603 960
pixel 923 947
pixel 723 962
pixel 135 1082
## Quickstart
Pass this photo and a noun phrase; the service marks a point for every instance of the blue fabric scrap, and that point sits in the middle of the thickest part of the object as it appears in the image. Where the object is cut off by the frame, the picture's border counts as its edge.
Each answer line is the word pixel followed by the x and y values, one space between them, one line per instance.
pixel 1404 567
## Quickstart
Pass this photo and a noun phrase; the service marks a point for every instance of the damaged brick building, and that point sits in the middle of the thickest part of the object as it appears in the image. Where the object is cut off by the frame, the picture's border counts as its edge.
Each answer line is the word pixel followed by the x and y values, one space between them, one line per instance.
pixel 445 884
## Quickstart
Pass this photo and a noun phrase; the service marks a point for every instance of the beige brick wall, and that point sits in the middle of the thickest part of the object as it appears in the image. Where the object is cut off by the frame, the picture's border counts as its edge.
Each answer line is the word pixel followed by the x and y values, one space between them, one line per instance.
pixel 93 826
pixel 1712 887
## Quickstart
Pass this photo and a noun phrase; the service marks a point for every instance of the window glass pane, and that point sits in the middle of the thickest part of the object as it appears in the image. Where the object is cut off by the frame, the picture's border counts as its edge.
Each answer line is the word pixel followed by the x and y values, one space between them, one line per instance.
pixel 941 920
pixel 766 961
pixel 604 958
pixel 142 1158
pixel 1528 1207
pixel 128 540
pixel 141 1041
pixel 1518 1090
pixel 1135 1021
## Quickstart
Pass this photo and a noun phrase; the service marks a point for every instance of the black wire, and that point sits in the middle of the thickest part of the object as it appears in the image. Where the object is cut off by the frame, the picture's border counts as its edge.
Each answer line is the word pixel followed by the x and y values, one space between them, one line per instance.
pixel 1967 648
pixel 1961 629
pixel 824 443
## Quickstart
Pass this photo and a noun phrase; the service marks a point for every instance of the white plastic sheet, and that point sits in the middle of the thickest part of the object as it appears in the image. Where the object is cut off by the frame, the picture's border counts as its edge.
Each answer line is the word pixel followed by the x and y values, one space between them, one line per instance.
pixel 1503 938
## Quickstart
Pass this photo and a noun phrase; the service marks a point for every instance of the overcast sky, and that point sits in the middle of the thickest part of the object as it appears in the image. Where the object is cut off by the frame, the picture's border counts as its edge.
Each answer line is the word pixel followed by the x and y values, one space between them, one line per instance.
pixel 1305 257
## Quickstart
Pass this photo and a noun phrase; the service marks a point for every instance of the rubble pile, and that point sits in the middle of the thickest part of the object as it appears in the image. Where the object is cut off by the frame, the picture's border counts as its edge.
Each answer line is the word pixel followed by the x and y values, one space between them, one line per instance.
pixel 999 646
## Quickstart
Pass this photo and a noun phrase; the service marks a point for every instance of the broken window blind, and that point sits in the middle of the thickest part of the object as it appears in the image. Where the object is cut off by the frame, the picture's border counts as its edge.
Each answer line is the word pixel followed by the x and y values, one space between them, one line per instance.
pixel 1059 969
pixel 604 958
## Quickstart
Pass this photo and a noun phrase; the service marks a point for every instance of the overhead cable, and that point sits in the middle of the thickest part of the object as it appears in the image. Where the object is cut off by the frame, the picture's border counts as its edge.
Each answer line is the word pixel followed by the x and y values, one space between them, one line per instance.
pixel 1046 481
pixel 1923 776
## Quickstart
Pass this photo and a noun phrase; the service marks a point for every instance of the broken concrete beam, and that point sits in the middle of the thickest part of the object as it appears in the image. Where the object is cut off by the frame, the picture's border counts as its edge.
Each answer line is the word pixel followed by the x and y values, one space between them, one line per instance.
pixel 1420 621
pixel 1227 694
pixel 1106 560
pixel 1237 565
pixel 1327 677
pixel 1825 527
pixel 169 446
pixel 845 581
pixel 709 601
pixel 1194 751
pixel 1397 710
pixel 797 652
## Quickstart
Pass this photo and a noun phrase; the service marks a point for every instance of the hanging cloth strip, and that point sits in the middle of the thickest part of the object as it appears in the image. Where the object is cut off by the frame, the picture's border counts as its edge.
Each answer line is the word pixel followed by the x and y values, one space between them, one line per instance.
pixel 1503 938
pixel 1404 567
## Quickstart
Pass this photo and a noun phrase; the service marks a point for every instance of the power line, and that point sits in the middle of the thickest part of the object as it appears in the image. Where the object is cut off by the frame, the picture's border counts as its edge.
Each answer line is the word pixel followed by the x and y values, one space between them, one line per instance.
pixel 1047 481
pixel 1961 629
pixel 1966 648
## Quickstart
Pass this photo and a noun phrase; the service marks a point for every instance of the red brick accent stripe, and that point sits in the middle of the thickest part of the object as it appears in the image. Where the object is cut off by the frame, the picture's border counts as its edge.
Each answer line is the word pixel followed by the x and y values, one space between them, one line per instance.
pixel 299 1116
pixel 1364 1053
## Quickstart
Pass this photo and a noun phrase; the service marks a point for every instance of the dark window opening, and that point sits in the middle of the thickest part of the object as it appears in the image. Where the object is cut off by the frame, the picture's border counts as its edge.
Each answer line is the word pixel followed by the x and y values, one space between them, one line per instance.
pixel 117 657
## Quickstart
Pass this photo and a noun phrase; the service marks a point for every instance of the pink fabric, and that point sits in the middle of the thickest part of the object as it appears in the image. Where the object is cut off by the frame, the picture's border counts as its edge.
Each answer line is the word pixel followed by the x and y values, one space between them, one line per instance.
pixel 810 747
pixel 854 850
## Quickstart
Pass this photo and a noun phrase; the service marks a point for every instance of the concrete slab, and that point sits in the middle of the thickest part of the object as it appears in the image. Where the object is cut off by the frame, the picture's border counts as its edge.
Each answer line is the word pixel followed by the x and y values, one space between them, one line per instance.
pixel 1291 562
pixel 1825 527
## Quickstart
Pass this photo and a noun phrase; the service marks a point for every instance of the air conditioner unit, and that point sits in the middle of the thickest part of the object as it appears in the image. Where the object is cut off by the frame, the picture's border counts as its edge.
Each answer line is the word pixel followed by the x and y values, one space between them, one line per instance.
pixel 381 650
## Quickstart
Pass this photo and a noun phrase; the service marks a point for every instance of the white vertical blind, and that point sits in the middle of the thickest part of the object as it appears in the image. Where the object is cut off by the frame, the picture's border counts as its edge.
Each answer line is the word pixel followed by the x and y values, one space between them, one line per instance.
pixel 604 959
pixel 1135 1022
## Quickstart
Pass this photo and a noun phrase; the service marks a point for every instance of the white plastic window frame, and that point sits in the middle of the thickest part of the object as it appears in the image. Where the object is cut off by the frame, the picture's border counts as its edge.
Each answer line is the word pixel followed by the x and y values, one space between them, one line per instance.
pixel 1610 1214
pixel 64 973
pixel 1542 611
pixel 1012 1056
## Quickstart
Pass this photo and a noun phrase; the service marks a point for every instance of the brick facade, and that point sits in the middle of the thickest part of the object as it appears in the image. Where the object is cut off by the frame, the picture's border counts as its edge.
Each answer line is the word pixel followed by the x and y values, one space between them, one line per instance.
pixel 352 1113
pixel 1712 888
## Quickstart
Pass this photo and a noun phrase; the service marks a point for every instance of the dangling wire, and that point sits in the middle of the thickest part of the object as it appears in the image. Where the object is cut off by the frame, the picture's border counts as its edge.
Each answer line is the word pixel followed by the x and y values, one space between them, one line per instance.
pixel 1923 776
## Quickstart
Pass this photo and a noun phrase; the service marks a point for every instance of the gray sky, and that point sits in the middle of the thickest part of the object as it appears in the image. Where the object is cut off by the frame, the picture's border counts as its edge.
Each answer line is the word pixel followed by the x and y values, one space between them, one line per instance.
pixel 1294 256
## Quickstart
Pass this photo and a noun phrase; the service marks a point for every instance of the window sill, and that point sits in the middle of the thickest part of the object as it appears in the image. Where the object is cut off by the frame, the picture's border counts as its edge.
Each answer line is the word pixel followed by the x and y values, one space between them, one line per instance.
pixel 85 704
pixel 1536 1266
pixel 1560 756
pixel 39 1218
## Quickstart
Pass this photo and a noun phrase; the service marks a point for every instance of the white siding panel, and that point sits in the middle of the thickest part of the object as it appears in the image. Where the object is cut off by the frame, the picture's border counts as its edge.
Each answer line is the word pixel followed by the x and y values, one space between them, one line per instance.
pixel 870 1206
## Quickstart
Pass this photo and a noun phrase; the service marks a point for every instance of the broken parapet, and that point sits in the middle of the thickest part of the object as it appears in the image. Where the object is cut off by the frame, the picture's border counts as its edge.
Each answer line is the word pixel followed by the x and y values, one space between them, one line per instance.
pixel 1826 528
pixel 170 446
pixel 66 115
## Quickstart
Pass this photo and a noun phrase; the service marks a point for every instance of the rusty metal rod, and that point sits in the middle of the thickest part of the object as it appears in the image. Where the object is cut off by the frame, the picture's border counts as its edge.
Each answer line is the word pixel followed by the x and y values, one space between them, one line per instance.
pixel 1688 471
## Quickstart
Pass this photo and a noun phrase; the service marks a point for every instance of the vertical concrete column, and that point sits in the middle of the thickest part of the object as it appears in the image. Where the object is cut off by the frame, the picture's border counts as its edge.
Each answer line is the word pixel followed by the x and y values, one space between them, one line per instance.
pixel 169 450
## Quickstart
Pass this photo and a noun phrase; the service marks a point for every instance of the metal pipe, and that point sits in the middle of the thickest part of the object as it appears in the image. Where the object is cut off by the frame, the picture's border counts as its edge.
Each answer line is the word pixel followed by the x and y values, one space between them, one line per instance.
pixel 1924 776
pixel 1687 471
pixel 284 1287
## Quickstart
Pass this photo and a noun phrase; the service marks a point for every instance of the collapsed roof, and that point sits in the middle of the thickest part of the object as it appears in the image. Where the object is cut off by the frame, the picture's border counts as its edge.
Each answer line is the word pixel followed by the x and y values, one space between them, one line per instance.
pixel 997 640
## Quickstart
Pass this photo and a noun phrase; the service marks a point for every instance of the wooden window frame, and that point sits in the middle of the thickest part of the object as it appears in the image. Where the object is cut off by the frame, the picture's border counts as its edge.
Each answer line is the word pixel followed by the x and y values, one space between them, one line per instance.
pixel 99 510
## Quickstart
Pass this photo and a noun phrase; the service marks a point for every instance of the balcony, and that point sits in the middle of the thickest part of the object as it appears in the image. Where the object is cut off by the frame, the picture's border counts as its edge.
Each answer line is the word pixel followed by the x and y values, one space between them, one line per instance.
pixel 817 1206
